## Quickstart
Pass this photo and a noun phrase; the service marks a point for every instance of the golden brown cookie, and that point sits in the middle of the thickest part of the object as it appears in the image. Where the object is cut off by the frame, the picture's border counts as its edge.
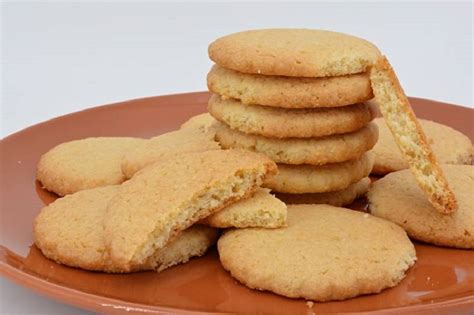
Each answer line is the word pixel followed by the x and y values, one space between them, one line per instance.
pixel 167 197
pixel 337 198
pixel 397 198
pixel 82 164
pixel 293 53
pixel 301 179
pixel 262 209
pixel 204 123
pixel 70 232
pixel 289 123
pixel 290 92
pixel 326 253
pixel 315 151
pixel 167 145
pixel 409 136
pixel 449 146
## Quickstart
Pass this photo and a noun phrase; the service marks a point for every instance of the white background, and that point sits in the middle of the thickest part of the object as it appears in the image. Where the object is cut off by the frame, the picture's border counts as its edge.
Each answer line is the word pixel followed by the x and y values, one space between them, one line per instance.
pixel 62 57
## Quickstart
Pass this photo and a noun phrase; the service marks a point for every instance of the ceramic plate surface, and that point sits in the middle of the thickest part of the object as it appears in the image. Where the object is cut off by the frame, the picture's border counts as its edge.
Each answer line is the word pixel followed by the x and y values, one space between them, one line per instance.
pixel 442 280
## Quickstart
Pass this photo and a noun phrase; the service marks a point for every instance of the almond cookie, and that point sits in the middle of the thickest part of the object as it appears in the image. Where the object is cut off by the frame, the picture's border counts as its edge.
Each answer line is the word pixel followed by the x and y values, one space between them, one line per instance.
pixel 70 232
pixel 83 164
pixel 337 198
pixel 409 136
pixel 167 145
pixel 167 197
pixel 315 151
pixel 300 179
pixel 290 92
pixel 293 53
pixel 260 210
pixel 449 146
pixel 289 123
pixel 326 253
pixel 397 198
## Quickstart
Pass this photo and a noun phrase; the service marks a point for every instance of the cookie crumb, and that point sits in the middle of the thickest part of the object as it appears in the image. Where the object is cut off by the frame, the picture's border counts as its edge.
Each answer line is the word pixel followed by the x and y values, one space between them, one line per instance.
pixel 310 304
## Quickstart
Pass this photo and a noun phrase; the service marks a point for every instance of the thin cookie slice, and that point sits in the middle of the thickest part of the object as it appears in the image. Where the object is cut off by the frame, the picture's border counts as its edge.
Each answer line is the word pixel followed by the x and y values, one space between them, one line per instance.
pixel 314 151
pixel 301 179
pixel 289 123
pixel 325 254
pixel 290 92
pixel 83 164
pixel 260 210
pixel 411 139
pixel 449 146
pixel 337 198
pixel 397 198
pixel 70 232
pixel 164 146
pixel 293 52
pixel 167 197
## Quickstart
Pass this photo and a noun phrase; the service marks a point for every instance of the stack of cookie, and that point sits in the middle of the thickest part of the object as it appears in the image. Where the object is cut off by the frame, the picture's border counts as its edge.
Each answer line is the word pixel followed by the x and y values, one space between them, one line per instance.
pixel 298 96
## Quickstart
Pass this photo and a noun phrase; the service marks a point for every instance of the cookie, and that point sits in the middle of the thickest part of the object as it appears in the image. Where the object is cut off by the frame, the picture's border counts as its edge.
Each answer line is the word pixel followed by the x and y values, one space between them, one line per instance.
pixel 449 146
pixel 167 197
pixel 300 179
pixel 82 164
pixel 315 151
pixel 293 53
pixel 397 198
pixel 204 123
pixel 70 232
pixel 289 123
pixel 260 210
pixel 337 198
pixel 165 146
pixel 290 92
pixel 326 253
pixel 409 136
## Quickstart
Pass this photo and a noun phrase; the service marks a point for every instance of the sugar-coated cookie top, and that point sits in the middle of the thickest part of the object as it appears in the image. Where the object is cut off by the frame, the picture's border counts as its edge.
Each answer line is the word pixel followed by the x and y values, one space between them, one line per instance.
pixel 293 52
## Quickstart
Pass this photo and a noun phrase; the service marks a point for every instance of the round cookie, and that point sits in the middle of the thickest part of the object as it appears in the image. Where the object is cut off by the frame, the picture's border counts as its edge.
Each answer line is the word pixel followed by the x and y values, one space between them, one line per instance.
pixel 290 92
pixel 301 179
pixel 315 151
pixel 449 146
pixel 397 198
pixel 83 164
pixel 293 53
pixel 70 231
pixel 326 253
pixel 167 145
pixel 337 198
pixel 289 123
pixel 204 123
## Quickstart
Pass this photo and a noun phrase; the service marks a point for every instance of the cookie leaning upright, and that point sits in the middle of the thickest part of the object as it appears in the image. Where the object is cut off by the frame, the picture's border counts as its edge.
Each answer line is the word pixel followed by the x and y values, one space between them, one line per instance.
pixel 167 197
pixel 299 97
pixel 409 136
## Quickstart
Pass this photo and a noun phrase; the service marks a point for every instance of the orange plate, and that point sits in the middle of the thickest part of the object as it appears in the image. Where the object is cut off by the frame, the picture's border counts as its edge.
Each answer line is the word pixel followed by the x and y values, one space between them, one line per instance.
pixel 441 280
